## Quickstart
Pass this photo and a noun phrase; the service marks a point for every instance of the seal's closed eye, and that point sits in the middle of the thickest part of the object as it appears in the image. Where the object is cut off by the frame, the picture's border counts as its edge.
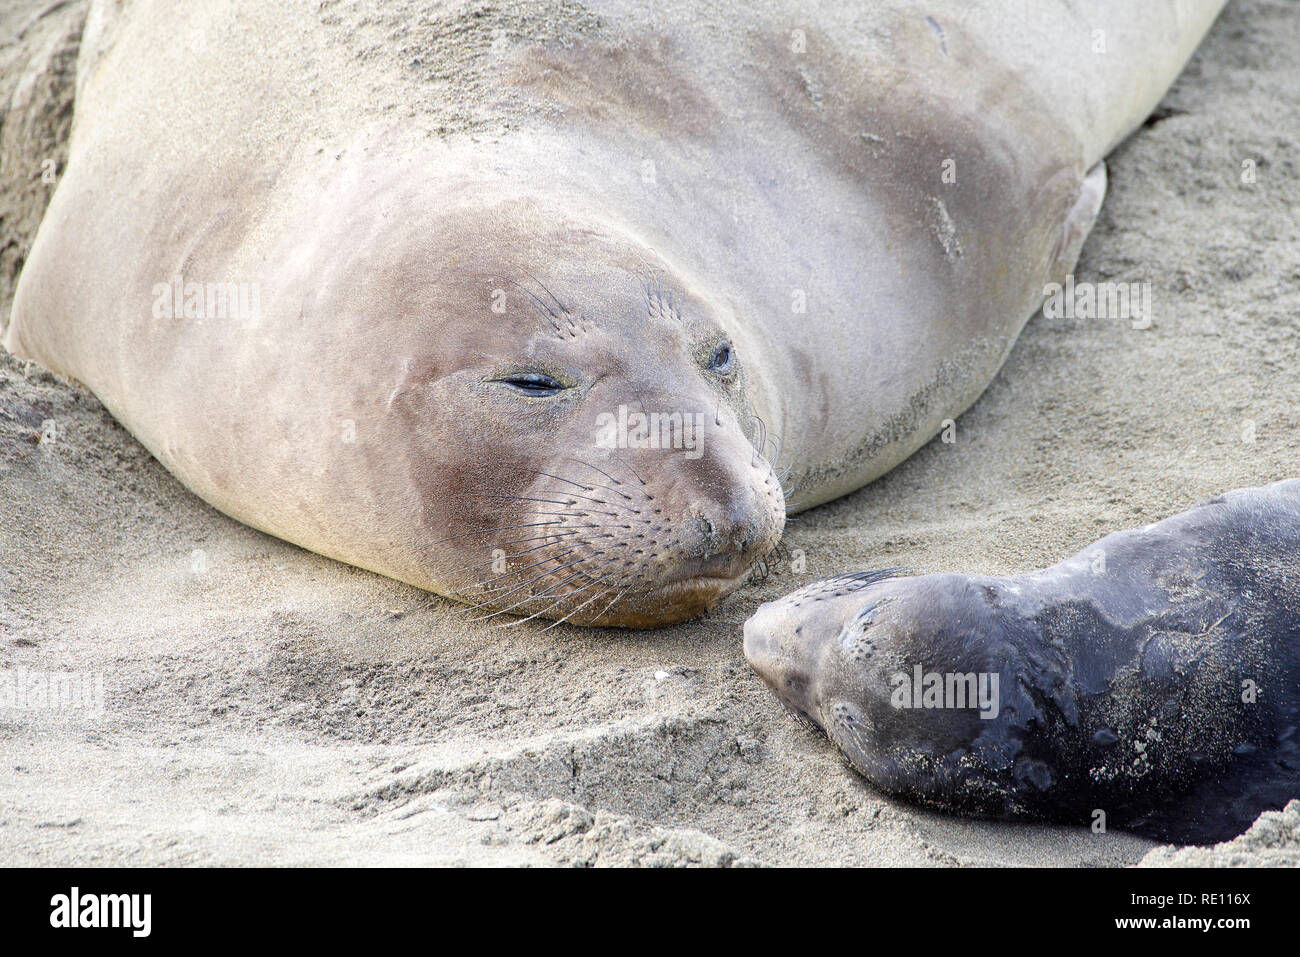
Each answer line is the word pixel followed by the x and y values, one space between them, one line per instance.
pixel 532 383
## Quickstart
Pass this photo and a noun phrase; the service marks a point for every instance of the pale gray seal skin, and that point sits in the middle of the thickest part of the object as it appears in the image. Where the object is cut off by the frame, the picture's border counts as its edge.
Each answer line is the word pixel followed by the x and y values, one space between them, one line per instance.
pixel 1154 676
pixel 472 234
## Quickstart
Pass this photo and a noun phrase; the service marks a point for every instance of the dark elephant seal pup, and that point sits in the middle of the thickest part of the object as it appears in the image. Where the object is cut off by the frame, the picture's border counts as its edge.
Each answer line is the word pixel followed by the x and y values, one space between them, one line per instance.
pixel 1153 678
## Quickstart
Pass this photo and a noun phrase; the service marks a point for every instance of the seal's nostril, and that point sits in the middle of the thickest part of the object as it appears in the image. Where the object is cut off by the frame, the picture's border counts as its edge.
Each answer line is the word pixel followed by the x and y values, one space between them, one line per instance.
pixel 734 526
pixel 740 516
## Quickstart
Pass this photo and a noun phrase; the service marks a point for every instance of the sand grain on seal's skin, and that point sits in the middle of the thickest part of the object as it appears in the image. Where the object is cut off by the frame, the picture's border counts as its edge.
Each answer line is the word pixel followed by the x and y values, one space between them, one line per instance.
pixel 255 712
pixel 447 56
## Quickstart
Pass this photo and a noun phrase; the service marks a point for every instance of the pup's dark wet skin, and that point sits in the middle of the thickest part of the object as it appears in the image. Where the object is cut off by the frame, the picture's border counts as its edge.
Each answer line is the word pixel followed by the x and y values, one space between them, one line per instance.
pixel 1153 678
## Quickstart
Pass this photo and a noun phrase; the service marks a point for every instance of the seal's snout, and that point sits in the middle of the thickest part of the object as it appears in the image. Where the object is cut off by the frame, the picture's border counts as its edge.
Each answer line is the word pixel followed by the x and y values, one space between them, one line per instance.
pixel 735 512
pixel 761 645
pixel 782 654
pixel 737 529
pixel 796 644
pixel 745 529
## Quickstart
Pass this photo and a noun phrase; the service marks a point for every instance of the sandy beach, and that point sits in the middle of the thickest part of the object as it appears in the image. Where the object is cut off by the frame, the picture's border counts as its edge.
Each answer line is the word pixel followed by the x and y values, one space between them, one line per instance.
pixel 264 705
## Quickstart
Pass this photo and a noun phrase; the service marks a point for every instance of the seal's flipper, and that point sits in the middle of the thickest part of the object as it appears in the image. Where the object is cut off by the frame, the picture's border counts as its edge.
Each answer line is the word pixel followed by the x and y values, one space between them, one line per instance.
pixel 1079 221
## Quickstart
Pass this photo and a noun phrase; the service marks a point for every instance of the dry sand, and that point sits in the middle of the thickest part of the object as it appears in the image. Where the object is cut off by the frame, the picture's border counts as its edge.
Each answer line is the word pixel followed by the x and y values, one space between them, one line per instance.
pixel 276 707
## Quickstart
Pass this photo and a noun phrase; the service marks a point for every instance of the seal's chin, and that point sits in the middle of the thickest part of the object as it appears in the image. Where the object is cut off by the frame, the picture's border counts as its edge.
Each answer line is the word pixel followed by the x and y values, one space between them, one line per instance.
pixel 675 601
pixel 722 584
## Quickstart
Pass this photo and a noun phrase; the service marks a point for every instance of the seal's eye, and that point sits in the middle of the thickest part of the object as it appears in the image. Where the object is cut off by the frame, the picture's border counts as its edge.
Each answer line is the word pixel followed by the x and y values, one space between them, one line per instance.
pixel 532 383
pixel 722 360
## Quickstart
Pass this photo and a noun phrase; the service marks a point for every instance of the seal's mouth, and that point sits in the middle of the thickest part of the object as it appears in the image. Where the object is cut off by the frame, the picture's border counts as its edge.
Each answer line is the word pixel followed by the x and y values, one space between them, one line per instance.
pixel 793 695
pixel 676 601
pixel 801 716
pixel 716 585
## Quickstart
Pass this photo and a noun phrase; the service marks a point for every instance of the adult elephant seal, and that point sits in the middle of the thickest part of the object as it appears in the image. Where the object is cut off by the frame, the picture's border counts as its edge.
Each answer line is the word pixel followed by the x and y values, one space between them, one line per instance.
pixel 1151 682
pixel 515 303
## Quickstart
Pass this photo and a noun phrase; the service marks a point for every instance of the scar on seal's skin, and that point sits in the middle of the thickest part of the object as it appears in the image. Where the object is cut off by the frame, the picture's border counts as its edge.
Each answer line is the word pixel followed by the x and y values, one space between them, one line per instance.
pixel 938 32
pixel 944 229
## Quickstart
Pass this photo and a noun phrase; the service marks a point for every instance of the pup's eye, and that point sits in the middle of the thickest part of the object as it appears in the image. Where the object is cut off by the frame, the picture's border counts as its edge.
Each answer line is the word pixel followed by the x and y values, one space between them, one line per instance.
pixel 722 360
pixel 532 383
